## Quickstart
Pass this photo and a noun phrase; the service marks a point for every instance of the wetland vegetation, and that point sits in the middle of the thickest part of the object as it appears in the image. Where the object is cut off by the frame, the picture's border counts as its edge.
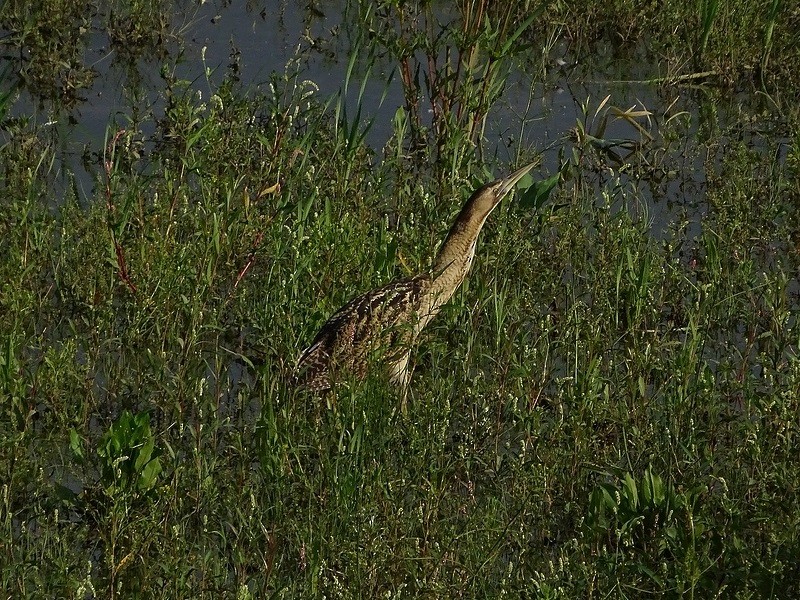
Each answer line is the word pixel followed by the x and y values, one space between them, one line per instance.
pixel 608 407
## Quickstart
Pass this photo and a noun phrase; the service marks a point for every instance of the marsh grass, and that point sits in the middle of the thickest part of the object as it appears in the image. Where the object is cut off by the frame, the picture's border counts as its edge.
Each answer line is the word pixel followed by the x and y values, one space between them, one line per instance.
pixel 600 411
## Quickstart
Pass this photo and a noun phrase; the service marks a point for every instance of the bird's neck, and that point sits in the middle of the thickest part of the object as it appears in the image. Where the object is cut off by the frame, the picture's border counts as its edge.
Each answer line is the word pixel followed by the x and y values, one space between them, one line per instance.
pixel 455 256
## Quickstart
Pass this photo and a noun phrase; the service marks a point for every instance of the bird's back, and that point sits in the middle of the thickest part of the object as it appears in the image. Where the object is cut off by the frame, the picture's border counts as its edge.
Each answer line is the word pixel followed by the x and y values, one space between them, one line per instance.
pixel 378 325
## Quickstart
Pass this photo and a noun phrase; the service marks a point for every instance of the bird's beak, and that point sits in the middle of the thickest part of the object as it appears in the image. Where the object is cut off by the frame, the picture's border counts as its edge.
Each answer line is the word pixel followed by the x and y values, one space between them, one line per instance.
pixel 507 183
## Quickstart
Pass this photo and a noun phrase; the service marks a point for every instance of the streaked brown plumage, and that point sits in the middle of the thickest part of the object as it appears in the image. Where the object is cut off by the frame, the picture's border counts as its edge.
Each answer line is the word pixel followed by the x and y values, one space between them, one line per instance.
pixel 383 324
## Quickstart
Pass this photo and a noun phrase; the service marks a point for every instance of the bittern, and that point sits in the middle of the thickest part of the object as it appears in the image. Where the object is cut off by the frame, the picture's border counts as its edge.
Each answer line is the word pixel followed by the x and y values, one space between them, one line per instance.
pixel 382 325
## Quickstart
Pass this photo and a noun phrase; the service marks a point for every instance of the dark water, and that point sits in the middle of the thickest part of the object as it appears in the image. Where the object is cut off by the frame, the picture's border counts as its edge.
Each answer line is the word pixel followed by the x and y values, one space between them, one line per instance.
pixel 263 40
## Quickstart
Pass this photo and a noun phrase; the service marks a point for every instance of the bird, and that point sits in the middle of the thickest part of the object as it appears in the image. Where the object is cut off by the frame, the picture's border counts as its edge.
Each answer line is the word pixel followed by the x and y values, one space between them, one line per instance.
pixel 383 324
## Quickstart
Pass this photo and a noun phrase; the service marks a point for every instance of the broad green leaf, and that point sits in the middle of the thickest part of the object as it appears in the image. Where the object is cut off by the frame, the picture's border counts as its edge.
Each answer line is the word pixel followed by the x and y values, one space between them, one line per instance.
pixel 76 444
pixel 538 193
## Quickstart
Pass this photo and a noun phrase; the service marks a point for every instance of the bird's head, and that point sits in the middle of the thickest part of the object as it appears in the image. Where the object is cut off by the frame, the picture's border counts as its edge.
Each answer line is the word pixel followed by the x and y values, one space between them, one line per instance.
pixel 487 197
pixel 459 247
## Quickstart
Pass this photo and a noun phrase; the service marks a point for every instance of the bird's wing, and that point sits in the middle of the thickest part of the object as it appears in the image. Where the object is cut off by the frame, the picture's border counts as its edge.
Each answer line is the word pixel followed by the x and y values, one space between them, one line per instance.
pixel 376 320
